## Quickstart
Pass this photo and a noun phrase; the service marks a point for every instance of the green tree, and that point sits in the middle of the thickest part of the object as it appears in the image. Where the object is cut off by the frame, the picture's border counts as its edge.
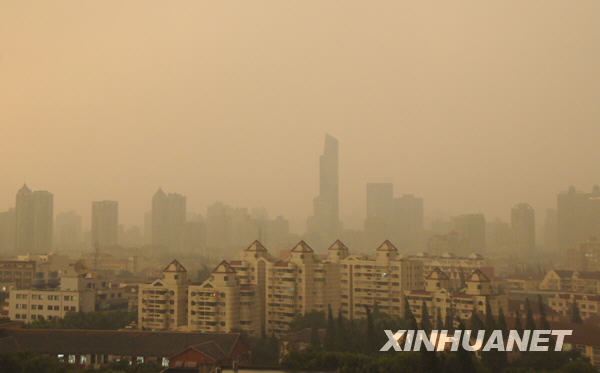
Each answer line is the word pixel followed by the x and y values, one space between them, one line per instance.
pixel 409 316
pixel 425 320
pixel 575 315
pixel 341 332
pixel 529 321
pixel 371 333
pixel 330 338
pixel 465 358
pixel 544 324
pixel 518 325
pixel 315 339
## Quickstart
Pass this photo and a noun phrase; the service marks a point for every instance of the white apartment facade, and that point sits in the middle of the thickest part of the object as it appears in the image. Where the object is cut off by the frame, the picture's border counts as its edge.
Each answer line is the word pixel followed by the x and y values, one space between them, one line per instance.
pixel 162 304
pixel 377 281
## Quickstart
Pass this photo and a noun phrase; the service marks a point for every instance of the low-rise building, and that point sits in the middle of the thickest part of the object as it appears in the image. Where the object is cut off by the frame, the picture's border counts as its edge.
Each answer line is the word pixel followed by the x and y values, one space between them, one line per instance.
pixel 571 281
pixel 19 272
pixel 29 305
pixel 588 304
pixel 441 298
pixel 93 348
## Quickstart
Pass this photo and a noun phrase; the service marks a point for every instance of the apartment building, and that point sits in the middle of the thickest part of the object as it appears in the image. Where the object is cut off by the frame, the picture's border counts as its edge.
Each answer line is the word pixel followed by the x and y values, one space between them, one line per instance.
pixel 299 284
pixel 441 298
pixel 571 281
pixel 214 306
pixel 457 268
pixel 562 303
pixel 18 272
pixel 377 281
pixel 163 303
pixel 30 305
pixel 107 294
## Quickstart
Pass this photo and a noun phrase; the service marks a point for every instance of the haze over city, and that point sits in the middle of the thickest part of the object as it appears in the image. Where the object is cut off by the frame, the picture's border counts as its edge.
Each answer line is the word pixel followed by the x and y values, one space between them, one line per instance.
pixel 472 106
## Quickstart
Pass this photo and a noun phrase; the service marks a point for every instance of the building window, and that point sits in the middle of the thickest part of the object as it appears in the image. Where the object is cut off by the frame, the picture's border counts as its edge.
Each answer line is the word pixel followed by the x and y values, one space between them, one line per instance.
pixel 165 362
pixel 71 359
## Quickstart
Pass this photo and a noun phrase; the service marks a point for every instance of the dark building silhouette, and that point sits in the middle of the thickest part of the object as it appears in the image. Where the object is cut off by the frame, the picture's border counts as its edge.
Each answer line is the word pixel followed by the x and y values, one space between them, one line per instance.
pixel 578 216
pixel 522 221
pixel 33 220
pixel 379 223
pixel 68 230
pixel 408 222
pixel 105 223
pixel 471 232
pixel 324 225
pixel 168 219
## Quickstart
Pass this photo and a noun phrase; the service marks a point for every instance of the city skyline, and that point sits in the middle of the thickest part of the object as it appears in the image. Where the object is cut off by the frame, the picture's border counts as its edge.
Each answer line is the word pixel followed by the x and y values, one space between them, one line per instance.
pixel 478 117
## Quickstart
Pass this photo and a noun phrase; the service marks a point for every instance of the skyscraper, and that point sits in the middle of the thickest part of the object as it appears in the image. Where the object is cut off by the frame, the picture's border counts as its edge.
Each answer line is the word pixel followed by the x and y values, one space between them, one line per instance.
pixel 522 220
pixel 68 230
pixel 7 230
pixel 33 220
pixel 324 225
pixel 168 219
pixel 379 221
pixel 105 223
pixel 471 231
pixel 408 222
pixel 578 216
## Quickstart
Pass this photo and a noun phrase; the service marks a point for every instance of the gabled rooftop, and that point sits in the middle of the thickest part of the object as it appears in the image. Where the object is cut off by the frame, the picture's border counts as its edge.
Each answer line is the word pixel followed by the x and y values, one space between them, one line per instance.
pixel 478 276
pixel 437 274
pixel 302 247
pixel 256 246
pixel 174 266
pixel 387 246
pixel 223 267
pixel 338 245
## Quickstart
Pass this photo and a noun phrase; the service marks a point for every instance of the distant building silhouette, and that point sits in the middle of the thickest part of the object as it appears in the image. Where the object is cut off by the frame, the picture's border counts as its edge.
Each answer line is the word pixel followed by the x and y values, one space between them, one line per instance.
pixel 400 219
pixel 522 220
pixel 578 216
pixel 168 219
pixel 471 231
pixel 7 230
pixel 68 230
pixel 33 220
pixel 379 223
pixel 324 225
pixel 551 230
pixel 408 222
pixel 105 223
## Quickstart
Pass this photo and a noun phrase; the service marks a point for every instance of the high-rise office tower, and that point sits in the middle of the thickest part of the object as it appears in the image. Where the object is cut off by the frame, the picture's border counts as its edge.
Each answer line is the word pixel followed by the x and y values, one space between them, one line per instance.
pixel 578 216
pixel 471 231
pixel 325 222
pixel 7 230
pixel 522 220
pixel 379 221
pixel 33 220
pixel 105 223
pixel 168 219
pixel 551 230
pixel 408 223
pixel 68 230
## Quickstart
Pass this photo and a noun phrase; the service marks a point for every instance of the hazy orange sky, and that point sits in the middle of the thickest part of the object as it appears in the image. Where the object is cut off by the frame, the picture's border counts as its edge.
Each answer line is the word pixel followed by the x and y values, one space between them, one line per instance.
pixel 473 105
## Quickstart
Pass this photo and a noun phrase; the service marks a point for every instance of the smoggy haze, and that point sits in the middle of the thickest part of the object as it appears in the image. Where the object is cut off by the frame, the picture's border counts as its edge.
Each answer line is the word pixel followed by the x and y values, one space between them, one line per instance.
pixel 472 106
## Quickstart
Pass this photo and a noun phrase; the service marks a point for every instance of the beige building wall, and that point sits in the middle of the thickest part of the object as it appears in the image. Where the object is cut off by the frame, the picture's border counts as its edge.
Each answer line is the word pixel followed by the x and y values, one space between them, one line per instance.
pixel 378 281
pixel 31 305
pixel 163 303
pixel 214 306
